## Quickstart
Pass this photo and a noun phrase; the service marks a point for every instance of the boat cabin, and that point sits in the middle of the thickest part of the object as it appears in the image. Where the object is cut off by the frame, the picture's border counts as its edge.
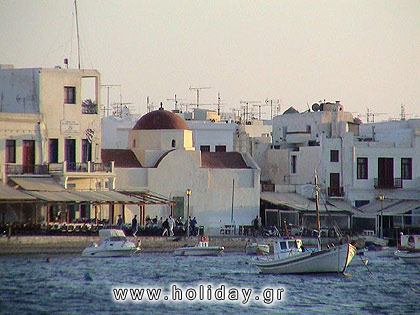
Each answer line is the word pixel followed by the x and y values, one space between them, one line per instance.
pixel 287 247
pixel 410 242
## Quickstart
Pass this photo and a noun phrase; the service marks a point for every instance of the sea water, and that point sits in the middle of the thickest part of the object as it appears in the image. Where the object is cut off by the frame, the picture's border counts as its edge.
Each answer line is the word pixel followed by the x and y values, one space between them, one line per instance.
pixel 70 284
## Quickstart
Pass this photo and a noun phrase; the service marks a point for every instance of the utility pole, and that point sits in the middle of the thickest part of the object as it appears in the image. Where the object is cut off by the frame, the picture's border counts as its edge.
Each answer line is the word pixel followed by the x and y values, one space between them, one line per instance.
pixel 108 87
pixel 197 89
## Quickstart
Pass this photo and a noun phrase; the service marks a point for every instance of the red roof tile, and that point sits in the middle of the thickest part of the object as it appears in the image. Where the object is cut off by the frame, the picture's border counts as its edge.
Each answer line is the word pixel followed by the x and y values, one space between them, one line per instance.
pixel 222 160
pixel 160 119
pixel 123 158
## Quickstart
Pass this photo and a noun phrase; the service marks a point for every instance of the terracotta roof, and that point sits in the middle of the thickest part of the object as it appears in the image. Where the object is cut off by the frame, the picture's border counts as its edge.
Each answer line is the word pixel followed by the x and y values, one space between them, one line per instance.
pixel 222 160
pixel 123 158
pixel 160 119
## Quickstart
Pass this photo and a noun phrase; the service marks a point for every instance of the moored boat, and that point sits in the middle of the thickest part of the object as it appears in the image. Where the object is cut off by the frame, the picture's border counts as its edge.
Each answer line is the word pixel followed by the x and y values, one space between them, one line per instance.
pixel 113 243
pixel 290 258
pixel 201 249
pixel 409 249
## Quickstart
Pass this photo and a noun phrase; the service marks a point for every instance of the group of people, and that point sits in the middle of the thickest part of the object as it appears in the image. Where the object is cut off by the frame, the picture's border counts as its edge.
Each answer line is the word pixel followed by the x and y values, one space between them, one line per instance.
pixel 166 225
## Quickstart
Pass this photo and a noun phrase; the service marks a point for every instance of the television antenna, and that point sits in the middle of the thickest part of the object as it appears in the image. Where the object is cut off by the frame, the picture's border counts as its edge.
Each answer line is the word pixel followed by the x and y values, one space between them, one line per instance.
pixel 198 89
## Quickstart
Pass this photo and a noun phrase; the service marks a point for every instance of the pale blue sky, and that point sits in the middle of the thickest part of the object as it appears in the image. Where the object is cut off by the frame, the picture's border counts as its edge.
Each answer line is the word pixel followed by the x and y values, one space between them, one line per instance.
pixel 364 53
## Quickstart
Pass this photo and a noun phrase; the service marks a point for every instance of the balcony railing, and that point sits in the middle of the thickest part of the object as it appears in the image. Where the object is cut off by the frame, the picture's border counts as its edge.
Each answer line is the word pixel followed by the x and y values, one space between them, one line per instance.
pixel 54 168
pixel 336 191
pixel 387 183
pixel 14 169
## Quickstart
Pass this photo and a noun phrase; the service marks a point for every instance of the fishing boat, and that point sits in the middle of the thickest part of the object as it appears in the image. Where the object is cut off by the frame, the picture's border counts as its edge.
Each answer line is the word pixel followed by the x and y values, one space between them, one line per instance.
pixel 113 243
pixel 409 249
pixel 290 257
pixel 257 249
pixel 201 249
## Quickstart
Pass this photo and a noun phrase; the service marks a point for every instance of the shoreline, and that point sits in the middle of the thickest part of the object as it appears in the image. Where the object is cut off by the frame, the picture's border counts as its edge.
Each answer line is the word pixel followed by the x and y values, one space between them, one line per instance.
pixel 57 245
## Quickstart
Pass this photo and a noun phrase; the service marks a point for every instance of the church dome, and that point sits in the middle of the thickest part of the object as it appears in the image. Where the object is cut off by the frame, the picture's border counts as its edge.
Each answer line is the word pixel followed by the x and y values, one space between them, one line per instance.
pixel 160 119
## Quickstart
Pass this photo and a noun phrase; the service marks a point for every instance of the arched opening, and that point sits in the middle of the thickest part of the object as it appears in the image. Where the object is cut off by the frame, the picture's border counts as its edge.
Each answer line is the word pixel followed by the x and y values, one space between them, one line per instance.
pixel 173 143
pixel 134 143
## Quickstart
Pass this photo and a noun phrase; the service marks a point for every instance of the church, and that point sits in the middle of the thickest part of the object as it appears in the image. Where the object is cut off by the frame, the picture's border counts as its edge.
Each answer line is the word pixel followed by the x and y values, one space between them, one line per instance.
pixel 218 188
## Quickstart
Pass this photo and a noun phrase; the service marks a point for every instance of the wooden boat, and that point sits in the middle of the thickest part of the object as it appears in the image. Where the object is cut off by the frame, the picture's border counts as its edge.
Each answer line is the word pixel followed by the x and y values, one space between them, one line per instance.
pixel 201 249
pixel 113 243
pixel 409 249
pixel 291 258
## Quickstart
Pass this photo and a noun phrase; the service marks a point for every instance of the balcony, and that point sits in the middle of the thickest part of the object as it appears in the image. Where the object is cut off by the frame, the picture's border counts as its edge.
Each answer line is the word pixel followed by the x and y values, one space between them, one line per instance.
pixel 59 168
pixel 336 191
pixel 14 169
pixel 387 183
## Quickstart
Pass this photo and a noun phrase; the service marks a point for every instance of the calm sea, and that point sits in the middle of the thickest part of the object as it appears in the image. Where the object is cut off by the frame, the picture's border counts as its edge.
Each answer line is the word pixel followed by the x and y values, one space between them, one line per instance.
pixel 75 285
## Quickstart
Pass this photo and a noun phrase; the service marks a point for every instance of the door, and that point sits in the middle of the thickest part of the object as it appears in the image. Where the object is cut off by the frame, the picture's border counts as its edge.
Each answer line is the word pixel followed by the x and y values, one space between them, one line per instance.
pixel 178 210
pixel 334 184
pixel 70 153
pixel 28 156
pixel 385 172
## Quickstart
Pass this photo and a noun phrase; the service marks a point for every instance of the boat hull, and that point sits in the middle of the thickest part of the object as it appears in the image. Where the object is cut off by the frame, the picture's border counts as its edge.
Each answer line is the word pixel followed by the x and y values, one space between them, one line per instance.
pixel 199 251
pixel 408 257
pixel 330 260
pixel 110 253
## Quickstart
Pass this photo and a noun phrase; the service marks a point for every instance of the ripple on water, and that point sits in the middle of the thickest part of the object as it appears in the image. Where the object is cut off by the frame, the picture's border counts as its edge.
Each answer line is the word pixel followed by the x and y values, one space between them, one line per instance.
pixel 31 285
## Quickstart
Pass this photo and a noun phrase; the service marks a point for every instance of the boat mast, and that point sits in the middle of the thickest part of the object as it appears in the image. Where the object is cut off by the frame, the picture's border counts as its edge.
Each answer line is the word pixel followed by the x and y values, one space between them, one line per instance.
pixel 77 33
pixel 318 221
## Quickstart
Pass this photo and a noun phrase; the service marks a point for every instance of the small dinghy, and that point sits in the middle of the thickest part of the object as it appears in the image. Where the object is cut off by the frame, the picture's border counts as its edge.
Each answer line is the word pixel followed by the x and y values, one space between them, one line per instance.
pixel 201 249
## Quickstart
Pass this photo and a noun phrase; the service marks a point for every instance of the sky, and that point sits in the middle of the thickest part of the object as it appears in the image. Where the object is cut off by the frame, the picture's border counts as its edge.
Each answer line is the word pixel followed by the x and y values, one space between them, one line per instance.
pixel 364 53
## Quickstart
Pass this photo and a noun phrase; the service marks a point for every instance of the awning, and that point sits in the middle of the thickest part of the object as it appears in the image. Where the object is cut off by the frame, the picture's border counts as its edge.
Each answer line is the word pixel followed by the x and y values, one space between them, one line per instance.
pixel 37 183
pixel 106 196
pixel 298 202
pixel 402 207
pixel 9 194
pixel 56 196
pixel 373 208
pixel 148 197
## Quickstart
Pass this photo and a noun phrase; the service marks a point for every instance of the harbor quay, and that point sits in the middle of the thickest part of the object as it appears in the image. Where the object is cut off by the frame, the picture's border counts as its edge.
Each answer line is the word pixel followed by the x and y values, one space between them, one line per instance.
pixel 50 245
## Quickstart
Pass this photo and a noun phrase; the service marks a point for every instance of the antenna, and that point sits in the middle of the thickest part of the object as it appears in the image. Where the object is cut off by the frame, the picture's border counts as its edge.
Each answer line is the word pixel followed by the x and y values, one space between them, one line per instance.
pixel 197 89
pixel 246 108
pixel 273 102
pixel 77 34
pixel 259 109
pixel 108 86
pixel 402 115
pixel 370 116
pixel 175 101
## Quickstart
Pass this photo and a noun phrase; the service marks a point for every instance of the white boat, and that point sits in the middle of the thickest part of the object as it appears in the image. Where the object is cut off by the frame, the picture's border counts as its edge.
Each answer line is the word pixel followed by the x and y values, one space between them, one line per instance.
pixel 201 249
pixel 289 258
pixel 409 249
pixel 113 243
pixel 257 249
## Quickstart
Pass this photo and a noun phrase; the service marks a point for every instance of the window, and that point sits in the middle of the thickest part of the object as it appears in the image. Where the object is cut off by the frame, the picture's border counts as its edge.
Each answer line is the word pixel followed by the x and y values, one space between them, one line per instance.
pixel 86 151
pixel 362 168
pixel 334 156
pixel 10 151
pixel 359 203
pixel 69 95
pixel 173 143
pixel 205 148
pixel 134 143
pixel 407 168
pixel 293 165
pixel 220 148
pixel 53 150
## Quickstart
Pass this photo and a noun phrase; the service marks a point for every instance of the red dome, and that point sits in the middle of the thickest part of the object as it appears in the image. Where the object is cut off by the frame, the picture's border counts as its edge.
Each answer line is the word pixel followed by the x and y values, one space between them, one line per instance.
pixel 160 119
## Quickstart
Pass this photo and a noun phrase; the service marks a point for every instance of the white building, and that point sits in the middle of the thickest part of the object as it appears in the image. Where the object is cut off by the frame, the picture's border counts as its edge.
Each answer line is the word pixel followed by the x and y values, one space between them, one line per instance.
pixel 162 158
pixel 355 163
pixel 50 140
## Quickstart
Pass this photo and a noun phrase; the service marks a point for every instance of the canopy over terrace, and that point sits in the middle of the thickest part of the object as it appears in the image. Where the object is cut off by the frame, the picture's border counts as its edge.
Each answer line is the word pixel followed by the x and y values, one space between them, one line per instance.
pixel 47 191
pixel 299 210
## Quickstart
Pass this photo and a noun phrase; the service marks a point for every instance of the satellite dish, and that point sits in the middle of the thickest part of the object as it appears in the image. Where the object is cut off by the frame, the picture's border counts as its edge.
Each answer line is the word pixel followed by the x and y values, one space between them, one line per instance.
pixel 316 107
